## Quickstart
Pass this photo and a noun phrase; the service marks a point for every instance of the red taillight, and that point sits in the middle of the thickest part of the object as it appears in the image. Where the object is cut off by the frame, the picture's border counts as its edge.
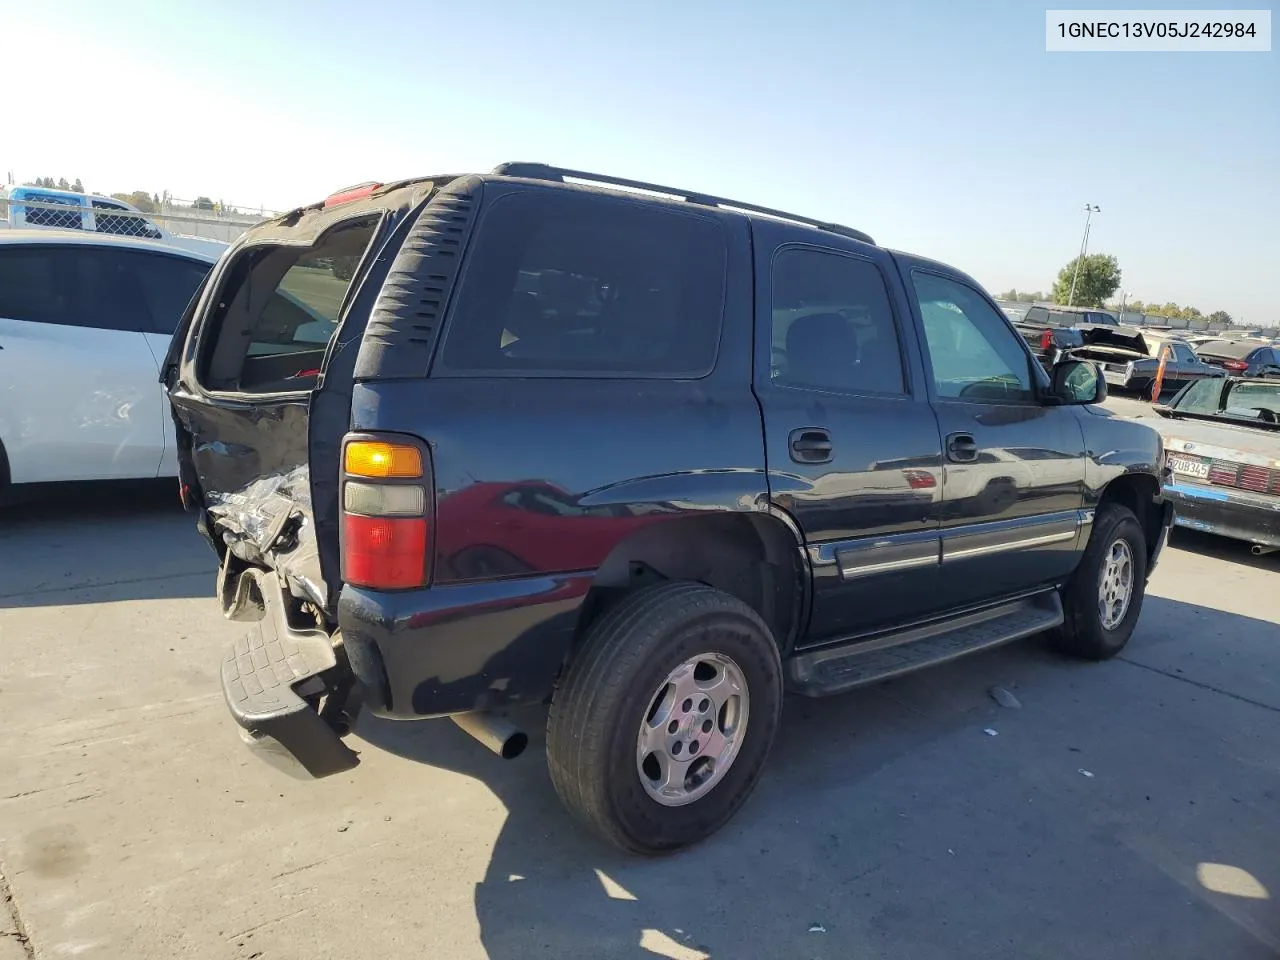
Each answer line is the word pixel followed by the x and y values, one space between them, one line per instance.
pixel 383 553
pixel 347 194
pixel 1235 365
pixel 1046 339
pixel 386 506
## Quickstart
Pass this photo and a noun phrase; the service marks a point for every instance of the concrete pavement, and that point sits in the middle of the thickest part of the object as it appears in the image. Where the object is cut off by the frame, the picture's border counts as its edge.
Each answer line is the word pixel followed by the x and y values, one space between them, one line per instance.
pixel 1126 809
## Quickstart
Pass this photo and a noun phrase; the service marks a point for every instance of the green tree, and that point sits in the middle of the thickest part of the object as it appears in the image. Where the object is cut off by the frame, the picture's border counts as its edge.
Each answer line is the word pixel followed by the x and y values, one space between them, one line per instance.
pixel 64 183
pixel 203 203
pixel 77 186
pixel 1220 316
pixel 142 200
pixel 1098 279
pixel 139 198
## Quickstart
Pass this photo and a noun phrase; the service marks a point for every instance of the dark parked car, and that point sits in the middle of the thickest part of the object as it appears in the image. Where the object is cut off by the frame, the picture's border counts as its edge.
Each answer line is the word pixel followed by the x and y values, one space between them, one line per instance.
pixel 1223 442
pixel 648 460
pixel 1242 358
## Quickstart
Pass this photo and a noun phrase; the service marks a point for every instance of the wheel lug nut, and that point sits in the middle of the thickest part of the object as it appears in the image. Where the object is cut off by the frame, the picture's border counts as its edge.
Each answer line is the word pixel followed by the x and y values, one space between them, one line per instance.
pixel 673 726
pixel 704 705
pixel 706 726
pixel 676 748
pixel 686 706
pixel 693 747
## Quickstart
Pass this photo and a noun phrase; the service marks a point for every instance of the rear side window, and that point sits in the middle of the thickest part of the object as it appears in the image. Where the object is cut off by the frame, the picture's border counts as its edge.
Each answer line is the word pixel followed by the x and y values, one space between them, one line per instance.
pixel 96 287
pixel 566 285
pixel 276 309
pixel 159 285
pixel 833 328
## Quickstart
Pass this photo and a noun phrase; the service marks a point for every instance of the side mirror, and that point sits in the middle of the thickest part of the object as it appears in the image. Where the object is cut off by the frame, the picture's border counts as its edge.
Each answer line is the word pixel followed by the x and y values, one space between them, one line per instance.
pixel 1078 382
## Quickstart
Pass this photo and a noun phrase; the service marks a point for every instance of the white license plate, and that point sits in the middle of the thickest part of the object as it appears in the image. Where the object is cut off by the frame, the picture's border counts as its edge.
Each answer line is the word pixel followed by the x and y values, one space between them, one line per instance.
pixel 1111 377
pixel 1192 468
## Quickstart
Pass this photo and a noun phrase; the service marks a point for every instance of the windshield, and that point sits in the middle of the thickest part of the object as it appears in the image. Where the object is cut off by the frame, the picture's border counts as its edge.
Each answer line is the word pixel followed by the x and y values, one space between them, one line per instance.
pixel 1235 400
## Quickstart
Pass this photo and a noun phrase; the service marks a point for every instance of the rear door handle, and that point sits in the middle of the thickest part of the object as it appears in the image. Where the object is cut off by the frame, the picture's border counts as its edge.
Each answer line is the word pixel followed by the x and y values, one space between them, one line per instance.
pixel 810 445
pixel 961 448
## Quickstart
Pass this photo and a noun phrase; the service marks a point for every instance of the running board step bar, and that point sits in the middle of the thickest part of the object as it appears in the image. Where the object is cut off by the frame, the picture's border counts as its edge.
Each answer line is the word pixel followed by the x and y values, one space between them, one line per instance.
pixel 836 669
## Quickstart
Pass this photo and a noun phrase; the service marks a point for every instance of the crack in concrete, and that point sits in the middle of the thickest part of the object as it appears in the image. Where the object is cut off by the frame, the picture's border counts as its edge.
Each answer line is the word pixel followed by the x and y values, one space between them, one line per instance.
pixel 42 591
pixel 1203 686
pixel 11 910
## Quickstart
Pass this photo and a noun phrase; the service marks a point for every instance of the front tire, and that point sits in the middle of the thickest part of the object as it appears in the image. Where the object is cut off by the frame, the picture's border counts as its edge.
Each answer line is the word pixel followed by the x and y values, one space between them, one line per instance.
pixel 660 727
pixel 1103 600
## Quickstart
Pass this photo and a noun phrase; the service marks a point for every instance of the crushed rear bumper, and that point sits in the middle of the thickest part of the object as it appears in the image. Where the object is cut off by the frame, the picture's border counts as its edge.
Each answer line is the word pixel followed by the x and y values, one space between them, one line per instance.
pixel 273 678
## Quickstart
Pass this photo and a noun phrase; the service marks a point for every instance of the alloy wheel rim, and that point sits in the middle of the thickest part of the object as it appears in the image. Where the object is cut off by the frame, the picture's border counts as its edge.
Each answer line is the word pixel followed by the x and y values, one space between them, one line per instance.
pixel 693 729
pixel 1115 584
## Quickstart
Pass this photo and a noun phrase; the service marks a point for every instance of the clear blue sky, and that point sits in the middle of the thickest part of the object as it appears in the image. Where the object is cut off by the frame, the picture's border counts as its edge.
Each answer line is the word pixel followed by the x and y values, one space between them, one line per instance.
pixel 940 128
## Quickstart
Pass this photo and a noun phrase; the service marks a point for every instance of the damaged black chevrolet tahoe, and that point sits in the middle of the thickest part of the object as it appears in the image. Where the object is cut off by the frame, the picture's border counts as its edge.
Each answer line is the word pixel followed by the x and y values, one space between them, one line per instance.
pixel 648 457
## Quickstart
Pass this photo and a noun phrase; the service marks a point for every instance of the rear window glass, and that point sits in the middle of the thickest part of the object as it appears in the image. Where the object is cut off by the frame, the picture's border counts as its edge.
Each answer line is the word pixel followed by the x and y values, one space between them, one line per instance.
pixel 562 285
pixel 277 309
pixel 1227 348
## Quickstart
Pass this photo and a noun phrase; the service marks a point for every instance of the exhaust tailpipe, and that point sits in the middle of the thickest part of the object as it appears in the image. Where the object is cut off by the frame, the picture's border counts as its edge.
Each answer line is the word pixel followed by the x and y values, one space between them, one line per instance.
pixel 1259 550
pixel 497 733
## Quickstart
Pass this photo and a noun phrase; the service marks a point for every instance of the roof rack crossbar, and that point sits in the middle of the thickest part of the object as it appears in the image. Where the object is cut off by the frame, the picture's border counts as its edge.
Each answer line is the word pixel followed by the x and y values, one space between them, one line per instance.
pixel 543 171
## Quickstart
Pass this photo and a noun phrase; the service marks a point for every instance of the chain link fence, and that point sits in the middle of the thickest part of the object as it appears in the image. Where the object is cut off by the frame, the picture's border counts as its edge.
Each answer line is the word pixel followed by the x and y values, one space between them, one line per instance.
pixel 113 217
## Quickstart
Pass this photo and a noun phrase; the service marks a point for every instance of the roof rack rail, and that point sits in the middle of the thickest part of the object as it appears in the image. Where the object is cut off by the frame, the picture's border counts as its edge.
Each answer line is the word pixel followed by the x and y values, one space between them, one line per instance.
pixel 543 171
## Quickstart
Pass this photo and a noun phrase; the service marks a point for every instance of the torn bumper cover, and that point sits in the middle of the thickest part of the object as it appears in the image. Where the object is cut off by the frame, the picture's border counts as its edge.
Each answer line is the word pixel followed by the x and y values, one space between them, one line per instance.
pixel 273 679
pixel 1227 513
pixel 1168 516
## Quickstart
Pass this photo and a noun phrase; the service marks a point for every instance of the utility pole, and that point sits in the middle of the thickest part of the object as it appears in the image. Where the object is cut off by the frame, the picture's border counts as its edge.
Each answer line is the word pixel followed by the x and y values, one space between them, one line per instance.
pixel 1089 211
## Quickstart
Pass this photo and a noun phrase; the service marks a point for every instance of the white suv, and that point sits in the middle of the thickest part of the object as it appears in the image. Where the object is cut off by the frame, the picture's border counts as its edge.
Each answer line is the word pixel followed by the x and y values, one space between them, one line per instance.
pixel 85 321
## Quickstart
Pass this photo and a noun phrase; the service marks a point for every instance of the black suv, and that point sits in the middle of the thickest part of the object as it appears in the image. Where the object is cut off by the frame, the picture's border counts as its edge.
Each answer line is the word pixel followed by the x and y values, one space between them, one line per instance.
pixel 648 456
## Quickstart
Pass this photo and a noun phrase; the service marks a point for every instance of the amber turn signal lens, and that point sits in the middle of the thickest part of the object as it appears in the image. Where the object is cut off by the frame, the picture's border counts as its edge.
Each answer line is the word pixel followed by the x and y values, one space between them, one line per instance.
pixel 366 458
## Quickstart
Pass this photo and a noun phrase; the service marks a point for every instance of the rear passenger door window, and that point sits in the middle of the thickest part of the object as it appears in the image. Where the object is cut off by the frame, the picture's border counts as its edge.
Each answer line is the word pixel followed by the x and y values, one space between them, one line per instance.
pixel 580 286
pixel 974 354
pixel 832 325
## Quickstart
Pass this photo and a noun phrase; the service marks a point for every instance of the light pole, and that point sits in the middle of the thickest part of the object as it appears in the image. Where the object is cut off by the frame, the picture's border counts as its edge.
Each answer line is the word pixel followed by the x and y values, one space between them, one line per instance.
pixel 1089 211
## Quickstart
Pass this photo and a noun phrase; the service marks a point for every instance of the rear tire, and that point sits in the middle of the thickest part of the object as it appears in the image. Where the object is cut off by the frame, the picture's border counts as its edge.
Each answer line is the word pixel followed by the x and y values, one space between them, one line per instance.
pixel 1103 600
pixel 618 697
